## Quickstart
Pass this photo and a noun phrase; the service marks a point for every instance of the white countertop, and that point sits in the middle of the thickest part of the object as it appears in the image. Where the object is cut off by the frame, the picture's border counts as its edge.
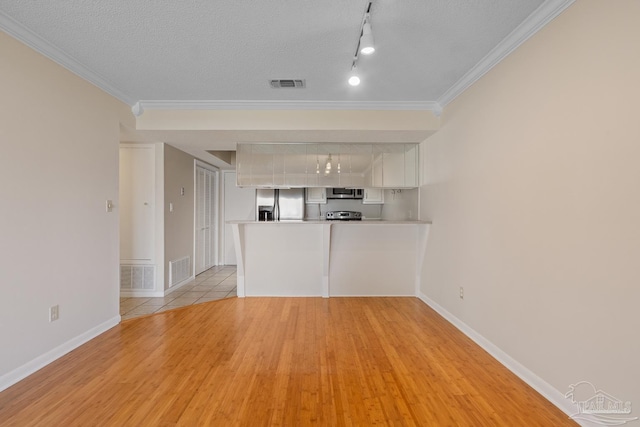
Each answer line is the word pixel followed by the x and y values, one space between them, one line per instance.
pixel 324 221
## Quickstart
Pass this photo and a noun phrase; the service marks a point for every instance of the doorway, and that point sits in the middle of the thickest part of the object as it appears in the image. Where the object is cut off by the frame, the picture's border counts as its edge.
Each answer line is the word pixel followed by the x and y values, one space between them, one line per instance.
pixel 206 217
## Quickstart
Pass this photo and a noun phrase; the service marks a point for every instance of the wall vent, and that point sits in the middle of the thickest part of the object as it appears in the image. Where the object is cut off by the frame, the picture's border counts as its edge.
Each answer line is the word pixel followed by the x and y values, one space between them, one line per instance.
pixel 288 83
pixel 138 277
pixel 179 270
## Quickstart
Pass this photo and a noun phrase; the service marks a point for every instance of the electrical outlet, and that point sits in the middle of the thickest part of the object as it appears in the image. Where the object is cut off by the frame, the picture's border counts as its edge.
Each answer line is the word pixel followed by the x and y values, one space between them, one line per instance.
pixel 461 292
pixel 54 313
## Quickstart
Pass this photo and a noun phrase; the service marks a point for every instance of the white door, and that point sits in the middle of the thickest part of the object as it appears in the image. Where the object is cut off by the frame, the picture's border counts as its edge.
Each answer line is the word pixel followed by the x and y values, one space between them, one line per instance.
pixel 239 204
pixel 206 219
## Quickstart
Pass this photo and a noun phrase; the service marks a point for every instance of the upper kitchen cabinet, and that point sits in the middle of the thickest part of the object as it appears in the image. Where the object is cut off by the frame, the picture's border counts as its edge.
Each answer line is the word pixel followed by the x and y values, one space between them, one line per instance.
pixel 327 165
pixel 316 195
pixel 393 166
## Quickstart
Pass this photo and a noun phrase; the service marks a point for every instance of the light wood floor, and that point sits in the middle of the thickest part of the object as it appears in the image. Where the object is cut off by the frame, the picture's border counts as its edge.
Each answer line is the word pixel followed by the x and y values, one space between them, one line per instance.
pixel 279 361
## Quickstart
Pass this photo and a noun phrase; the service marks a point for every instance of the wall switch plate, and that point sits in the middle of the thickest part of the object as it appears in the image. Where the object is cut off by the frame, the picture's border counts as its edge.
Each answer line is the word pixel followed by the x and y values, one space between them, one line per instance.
pixel 461 292
pixel 182 191
pixel 170 207
pixel 54 313
pixel 109 205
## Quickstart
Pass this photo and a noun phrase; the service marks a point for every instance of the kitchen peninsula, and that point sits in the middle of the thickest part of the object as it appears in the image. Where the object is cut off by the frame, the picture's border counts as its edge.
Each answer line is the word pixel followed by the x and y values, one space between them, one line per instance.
pixel 328 258
pixel 334 246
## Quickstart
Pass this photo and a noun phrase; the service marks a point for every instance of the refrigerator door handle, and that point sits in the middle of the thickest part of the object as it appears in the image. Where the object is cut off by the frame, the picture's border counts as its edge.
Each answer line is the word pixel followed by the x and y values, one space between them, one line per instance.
pixel 276 205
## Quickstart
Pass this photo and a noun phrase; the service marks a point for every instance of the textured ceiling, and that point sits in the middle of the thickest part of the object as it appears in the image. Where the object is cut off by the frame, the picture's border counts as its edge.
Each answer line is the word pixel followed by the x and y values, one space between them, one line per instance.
pixel 229 49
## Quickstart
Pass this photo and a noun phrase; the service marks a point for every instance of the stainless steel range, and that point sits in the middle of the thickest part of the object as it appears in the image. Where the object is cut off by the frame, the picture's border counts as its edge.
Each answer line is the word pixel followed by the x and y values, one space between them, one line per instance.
pixel 344 216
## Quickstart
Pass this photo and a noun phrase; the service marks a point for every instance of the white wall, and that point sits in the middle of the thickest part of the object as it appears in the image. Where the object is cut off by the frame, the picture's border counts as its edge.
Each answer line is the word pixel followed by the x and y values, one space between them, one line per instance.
pixel 238 204
pixel 400 205
pixel 58 245
pixel 178 225
pixel 532 185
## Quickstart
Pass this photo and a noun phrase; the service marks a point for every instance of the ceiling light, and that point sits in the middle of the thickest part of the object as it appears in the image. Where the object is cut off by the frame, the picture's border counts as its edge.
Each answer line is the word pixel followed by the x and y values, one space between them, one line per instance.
pixel 327 167
pixel 366 39
pixel 365 45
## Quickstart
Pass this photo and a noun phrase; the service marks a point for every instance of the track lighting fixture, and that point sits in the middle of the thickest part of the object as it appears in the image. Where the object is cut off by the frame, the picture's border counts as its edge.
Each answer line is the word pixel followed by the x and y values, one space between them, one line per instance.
pixel 366 39
pixel 354 80
pixel 365 45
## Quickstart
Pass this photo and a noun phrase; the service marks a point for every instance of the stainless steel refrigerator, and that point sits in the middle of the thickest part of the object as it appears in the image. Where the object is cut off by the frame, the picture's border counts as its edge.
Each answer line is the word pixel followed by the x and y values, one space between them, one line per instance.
pixel 280 204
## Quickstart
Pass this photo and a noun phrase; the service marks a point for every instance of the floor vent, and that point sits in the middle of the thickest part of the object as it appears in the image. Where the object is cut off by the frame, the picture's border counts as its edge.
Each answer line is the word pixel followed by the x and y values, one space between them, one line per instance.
pixel 291 83
pixel 138 277
pixel 179 270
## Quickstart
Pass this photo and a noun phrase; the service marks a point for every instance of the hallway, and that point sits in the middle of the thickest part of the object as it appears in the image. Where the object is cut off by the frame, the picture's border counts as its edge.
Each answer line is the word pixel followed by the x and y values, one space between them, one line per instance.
pixel 216 283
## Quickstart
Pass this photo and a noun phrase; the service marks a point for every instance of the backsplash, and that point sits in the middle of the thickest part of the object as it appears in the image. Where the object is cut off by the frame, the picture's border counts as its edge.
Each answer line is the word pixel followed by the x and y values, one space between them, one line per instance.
pixel 399 205
pixel 315 211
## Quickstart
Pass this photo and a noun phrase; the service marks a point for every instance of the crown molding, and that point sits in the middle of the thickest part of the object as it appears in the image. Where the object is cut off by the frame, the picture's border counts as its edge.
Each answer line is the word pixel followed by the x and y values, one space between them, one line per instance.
pixel 143 105
pixel 538 19
pixel 34 41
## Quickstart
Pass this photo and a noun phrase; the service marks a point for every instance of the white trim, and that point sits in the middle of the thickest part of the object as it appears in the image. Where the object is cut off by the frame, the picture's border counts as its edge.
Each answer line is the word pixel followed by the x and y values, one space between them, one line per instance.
pixel 216 218
pixel 238 242
pixel 37 43
pixel 18 374
pixel 538 19
pixel 326 259
pixel 158 207
pixel 281 296
pixel 541 386
pixel 140 293
pixel 179 285
pixel 205 165
pixel 145 105
pixel 372 296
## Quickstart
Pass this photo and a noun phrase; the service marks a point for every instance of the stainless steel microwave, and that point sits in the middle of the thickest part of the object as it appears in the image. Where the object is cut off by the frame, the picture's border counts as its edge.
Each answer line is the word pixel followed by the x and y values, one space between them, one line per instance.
pixel 345 193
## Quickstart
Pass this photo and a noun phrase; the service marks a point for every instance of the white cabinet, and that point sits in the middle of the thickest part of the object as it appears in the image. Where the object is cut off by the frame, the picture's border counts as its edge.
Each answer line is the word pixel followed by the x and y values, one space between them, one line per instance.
pixel 389 165
pixel 373 196
pixel 316 195
pixel 395 166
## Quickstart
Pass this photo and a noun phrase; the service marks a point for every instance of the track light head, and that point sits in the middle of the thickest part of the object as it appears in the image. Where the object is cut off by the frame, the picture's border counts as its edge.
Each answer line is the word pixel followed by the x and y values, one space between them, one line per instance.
pixel 366 40
pixel 354 79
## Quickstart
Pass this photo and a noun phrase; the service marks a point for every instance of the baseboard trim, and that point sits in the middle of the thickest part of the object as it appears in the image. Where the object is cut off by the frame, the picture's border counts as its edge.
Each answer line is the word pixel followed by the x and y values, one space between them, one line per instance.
pixel 179 285
pixel 140 294
pixel 541 386
pixel 40 362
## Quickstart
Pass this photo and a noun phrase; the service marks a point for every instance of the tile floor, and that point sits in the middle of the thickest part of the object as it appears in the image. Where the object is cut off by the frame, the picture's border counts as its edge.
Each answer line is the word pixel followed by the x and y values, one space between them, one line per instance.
pixel 214 284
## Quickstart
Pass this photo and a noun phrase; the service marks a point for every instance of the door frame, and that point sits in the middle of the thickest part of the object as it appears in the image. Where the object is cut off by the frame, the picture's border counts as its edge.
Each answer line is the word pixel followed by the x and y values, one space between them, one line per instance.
pixel 215 211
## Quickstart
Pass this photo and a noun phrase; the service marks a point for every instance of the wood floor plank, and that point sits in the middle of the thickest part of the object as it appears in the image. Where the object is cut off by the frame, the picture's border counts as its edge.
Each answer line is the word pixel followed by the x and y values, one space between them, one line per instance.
pixel 280 362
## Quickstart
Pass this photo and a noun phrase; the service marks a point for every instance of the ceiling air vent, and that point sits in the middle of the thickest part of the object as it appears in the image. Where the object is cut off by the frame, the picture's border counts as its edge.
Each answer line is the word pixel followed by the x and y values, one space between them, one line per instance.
pixel 288 83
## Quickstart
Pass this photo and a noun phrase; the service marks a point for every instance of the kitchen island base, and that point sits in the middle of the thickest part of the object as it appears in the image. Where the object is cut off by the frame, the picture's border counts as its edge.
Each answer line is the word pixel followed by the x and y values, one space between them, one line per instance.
pixel 322 258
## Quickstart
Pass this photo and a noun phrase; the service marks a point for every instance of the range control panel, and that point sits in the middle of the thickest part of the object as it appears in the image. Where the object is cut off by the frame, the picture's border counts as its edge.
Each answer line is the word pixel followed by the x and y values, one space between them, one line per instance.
pixel 344 216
